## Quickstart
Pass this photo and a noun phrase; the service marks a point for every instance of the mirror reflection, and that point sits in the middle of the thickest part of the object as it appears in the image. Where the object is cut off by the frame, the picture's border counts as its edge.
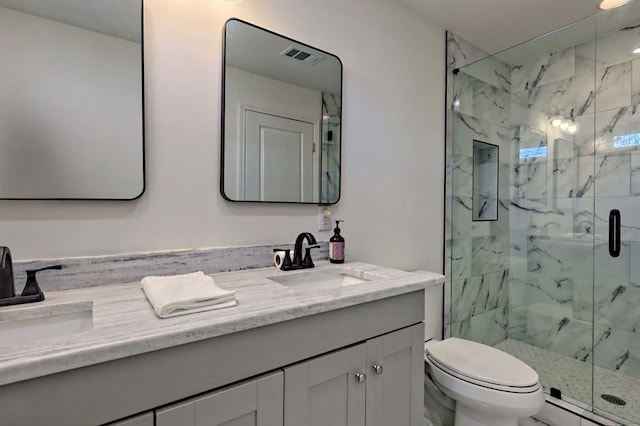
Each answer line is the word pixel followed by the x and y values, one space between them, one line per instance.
pixel 71 108
pixel 281 137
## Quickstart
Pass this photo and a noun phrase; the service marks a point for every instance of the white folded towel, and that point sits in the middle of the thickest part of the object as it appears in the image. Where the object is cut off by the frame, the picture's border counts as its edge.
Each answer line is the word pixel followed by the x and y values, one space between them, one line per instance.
pixel 185 294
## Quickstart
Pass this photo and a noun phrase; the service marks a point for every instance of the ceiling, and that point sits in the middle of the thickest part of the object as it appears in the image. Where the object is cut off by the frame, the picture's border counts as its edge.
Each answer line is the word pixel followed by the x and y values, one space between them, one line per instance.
pixel 495 25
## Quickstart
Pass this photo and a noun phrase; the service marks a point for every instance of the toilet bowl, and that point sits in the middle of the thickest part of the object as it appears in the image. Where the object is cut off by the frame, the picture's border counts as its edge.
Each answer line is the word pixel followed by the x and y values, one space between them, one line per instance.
pixel 489 387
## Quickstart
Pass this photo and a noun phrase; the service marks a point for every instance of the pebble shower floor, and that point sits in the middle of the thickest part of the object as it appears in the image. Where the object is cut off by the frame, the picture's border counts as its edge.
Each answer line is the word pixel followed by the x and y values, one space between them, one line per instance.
pixel 573 378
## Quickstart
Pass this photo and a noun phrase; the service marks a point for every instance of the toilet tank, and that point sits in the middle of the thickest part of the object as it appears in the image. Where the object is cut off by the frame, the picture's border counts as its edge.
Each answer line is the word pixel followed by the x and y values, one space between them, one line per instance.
pixel 433 305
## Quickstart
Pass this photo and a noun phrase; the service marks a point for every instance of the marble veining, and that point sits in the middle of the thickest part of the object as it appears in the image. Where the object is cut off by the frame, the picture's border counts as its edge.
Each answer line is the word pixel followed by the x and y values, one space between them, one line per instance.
pixel 124 323
pixel 106 270
pixel 612 49
pixel 630 223
pixel 478 91
pixel 489 254
pixel 543 70
pixel 635 82
pixel 490 327
pixel 462 175
pixel 461 53
pixel 566 293
pixel 613 124
pixel 491 104
pixel 468 128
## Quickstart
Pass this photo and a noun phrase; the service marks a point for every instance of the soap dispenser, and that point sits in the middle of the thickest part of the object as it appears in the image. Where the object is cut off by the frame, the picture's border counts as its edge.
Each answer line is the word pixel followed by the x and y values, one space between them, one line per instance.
pixel 336 245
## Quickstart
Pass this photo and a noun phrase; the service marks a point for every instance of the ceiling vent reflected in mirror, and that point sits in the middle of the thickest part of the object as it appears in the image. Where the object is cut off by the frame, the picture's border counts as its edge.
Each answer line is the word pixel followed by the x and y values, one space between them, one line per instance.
pixel 301 55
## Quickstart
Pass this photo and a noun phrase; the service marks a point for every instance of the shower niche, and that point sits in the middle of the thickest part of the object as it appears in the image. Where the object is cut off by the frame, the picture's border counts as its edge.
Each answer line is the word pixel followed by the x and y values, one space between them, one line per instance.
pixel 485 181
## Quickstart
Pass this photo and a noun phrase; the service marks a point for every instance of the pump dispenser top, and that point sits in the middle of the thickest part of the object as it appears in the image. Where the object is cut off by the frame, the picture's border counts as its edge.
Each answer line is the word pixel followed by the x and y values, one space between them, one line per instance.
pixel 336 245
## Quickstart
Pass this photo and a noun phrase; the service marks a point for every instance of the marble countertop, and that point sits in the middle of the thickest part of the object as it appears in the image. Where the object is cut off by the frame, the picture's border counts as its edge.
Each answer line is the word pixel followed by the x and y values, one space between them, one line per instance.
pixel 124 323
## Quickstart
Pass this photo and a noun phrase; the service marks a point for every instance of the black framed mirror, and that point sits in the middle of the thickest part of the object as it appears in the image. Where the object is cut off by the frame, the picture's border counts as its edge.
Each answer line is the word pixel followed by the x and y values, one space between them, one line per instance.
pixel 281 119
pixel 71 100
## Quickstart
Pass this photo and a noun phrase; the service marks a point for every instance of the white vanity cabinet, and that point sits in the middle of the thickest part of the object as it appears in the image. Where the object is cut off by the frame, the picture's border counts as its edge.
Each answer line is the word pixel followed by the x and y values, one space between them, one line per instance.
pixel 395 380
pixel 376 383
pixel 325 391
pixel 300 370
pixel 257 402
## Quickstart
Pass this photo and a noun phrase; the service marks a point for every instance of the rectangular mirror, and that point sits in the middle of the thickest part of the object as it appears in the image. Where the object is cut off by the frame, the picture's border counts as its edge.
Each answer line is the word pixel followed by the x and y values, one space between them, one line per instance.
pixel 485 181
pixel 281 125
pixel 71 99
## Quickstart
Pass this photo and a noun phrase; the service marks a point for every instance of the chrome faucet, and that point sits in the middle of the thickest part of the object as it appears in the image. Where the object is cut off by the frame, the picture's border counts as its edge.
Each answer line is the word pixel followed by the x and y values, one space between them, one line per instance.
pixel 31 292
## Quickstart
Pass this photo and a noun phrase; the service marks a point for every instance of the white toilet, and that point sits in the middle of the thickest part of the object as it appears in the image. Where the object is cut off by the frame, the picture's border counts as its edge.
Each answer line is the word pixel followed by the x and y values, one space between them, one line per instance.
pixel 471 384
pixel 489 387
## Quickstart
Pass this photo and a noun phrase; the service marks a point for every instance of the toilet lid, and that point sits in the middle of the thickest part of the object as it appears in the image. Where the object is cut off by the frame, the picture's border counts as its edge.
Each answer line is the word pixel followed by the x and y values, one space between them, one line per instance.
pixel 482 362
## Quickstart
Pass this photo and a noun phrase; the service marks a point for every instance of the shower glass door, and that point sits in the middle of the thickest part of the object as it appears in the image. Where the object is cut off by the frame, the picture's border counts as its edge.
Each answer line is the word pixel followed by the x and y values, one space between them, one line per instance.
pixel 552 275
pixel 616 298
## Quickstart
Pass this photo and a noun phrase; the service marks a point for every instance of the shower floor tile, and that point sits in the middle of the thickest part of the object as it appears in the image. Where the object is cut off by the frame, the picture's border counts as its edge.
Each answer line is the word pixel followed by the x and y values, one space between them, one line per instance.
pixel 573 378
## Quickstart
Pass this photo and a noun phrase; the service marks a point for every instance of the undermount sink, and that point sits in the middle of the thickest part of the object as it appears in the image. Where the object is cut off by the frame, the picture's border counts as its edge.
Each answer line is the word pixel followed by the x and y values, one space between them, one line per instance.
pixel 321 279
pixel 29 324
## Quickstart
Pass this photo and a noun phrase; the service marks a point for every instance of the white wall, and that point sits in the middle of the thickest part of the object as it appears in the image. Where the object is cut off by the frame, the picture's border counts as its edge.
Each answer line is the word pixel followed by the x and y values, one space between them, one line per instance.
pixel 393 156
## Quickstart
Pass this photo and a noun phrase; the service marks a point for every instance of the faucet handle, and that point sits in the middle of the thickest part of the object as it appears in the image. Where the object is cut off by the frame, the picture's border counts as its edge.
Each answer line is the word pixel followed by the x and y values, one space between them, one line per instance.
pixel 32 288
pixel 307 262
pixel 287 264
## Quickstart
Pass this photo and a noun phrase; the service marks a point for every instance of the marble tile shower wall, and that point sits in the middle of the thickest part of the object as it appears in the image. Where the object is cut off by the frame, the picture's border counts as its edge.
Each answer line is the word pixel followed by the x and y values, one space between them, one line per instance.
pixel 530 274
pixel 560 204
pixel 476 252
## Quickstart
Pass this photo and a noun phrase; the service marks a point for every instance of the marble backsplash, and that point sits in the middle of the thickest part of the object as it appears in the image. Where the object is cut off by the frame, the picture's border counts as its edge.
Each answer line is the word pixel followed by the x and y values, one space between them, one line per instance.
pixel 81 272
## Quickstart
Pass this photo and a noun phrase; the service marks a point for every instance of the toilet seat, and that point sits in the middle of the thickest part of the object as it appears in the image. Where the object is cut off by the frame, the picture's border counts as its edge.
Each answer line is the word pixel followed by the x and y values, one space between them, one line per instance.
pixel 482 365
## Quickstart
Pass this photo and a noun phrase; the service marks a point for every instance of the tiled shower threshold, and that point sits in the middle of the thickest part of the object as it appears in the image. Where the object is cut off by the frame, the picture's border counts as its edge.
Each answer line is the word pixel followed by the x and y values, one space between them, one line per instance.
pixel 573 378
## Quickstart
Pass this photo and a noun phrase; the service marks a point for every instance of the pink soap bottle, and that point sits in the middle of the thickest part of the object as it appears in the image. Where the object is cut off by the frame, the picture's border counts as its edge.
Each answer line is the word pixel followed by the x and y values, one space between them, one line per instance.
pixel 336 245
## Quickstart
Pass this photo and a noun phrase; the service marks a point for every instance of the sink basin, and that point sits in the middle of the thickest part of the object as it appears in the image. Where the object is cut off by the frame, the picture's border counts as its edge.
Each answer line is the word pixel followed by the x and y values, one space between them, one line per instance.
pixel 320 280
pixel 28 324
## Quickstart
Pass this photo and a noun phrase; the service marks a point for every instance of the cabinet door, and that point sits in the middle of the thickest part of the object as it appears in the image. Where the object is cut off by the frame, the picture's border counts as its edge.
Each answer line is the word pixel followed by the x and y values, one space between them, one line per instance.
pixel 255 403
pixel 395 378
pixel 325 391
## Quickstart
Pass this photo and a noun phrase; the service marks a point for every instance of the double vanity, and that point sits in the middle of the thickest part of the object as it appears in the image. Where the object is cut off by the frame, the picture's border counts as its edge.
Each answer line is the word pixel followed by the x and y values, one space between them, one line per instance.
pixel 332 345
pixel 337 344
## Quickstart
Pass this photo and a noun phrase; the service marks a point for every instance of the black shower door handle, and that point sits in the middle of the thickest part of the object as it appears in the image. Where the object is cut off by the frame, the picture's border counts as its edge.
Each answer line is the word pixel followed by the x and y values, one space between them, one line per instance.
pixel 614 233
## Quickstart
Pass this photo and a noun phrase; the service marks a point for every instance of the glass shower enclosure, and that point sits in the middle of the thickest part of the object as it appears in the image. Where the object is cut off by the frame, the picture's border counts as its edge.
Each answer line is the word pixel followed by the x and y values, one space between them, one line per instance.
pixel 543 209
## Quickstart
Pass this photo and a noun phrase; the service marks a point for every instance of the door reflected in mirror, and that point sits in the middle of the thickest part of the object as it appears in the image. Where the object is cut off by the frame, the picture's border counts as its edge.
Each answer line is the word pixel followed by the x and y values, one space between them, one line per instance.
pixel 71 99
pixel 282 113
